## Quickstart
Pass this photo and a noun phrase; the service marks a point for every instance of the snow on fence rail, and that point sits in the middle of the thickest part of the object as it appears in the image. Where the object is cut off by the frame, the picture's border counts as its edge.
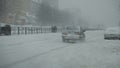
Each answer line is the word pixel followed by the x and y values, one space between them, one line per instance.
pixel 32 29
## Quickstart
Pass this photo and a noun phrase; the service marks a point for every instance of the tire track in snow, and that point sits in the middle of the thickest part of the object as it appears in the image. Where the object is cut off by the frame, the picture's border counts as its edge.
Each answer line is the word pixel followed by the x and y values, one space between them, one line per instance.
pixel 32 57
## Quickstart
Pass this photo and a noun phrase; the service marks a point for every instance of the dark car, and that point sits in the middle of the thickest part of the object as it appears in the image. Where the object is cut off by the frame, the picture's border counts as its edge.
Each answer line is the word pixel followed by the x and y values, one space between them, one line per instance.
pixel 5 30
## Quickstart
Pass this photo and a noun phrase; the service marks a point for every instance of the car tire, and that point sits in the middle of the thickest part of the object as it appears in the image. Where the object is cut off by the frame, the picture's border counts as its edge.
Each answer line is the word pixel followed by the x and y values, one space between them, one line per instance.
pixel 83 35
pixel 63 39
pixel 106 38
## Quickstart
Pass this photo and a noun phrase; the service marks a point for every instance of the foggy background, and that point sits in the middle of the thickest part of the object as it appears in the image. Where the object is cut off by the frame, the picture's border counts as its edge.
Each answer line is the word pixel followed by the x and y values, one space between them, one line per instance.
pixel 87 13
pixel 102 12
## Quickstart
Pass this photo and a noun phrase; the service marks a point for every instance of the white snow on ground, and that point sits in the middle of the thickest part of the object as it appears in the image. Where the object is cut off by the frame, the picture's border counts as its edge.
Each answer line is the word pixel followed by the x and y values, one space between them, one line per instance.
pixel 48 51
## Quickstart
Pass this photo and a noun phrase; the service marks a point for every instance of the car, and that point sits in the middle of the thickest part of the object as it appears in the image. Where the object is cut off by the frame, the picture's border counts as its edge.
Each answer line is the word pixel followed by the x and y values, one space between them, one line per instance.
pixel 5 30
pixel 72 33
pixel 112 33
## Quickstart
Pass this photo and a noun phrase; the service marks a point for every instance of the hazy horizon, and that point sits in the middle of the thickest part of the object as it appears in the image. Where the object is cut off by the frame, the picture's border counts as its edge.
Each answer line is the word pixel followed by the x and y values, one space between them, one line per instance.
pixel 105 12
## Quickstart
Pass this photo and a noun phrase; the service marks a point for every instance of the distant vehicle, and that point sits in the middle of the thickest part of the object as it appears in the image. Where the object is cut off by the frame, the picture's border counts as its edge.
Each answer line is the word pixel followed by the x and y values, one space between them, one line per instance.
pixel 72 33
pixel 112 33
pixel 5 30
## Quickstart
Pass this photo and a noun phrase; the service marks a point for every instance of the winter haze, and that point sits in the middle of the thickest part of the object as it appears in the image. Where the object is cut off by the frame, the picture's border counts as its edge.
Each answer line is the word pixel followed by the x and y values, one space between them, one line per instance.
pixel 102 12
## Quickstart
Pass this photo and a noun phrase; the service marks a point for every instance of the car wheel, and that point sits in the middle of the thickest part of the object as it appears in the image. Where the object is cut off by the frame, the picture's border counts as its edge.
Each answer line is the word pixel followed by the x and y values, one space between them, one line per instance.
pixel 63 39
pixel 83 35
pixel 114 38
pixel 105 38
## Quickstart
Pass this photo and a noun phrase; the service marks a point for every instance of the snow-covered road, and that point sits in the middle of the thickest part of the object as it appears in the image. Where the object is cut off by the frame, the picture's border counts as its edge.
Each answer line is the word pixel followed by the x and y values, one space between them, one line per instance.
pixel 48 51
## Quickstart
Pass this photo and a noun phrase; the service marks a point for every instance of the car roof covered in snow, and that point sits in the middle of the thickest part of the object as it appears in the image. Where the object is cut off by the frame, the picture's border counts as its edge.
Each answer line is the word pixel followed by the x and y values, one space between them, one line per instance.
pixel 113 30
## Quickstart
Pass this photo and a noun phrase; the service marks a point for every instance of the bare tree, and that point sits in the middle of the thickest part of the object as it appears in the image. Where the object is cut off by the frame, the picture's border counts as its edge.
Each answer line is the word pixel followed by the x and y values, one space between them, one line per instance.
pixel 50 15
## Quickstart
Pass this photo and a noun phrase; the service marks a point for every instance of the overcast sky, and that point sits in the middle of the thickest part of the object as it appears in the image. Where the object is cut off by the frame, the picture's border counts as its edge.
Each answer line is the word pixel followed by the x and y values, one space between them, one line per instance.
pixel 95 11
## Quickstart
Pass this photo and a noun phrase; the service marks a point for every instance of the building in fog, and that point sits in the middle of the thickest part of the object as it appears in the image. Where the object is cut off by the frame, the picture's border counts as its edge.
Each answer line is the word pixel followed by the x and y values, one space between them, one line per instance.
pixel 2 6
pixel 14 11
pixel 22 11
